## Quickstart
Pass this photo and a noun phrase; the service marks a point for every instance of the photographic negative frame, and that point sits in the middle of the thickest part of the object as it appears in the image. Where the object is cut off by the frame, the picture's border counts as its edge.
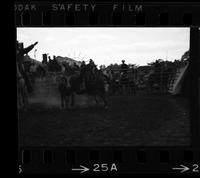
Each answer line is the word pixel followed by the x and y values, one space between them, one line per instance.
pixel 116 159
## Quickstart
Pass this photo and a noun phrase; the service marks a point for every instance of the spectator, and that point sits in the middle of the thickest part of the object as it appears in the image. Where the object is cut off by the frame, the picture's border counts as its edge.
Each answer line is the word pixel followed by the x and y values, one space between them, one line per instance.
pixel 124 68
pixel 20 52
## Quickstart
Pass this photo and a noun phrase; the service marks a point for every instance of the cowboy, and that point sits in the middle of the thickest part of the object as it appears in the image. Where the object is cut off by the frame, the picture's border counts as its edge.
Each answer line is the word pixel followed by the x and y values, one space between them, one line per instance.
pixel 92 65
pixel 92 70
pixel 124 68
pixel 82 68
pixel 20 52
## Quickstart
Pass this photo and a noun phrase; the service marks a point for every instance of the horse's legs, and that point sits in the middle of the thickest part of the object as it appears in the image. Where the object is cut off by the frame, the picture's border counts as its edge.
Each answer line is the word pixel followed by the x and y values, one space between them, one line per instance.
pixel 95 97
pixel 72 99
pixel 105 101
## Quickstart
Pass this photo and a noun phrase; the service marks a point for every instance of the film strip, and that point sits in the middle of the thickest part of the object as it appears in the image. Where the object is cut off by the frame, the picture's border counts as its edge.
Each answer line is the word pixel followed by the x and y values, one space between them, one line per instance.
pixel 106 14
pixel 109 160
pixel 116 160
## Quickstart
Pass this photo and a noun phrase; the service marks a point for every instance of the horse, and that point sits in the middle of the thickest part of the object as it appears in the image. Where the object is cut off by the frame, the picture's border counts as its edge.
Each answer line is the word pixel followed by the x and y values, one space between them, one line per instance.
pixel 94 86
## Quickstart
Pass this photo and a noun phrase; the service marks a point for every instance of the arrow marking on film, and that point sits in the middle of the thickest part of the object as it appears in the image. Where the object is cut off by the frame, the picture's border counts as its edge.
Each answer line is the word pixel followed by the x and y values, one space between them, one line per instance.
pixel 182 168
pixel 82 169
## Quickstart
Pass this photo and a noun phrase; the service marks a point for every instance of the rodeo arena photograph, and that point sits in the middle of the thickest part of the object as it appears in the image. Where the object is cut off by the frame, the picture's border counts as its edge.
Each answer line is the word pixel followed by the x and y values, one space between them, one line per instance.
pixel 103 86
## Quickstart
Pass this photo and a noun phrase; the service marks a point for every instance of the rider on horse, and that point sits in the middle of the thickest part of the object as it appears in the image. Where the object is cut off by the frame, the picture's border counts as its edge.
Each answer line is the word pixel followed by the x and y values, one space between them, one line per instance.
pixel 91 70
pixel 20 52
pixel 88 72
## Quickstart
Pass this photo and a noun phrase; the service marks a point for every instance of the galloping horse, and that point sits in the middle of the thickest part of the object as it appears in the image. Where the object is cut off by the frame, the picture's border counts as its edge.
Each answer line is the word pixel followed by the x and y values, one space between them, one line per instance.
pixel 94 86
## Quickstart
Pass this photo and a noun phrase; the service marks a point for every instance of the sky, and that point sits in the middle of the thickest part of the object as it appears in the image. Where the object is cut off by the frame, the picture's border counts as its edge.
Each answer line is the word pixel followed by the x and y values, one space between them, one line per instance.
pixel 106 45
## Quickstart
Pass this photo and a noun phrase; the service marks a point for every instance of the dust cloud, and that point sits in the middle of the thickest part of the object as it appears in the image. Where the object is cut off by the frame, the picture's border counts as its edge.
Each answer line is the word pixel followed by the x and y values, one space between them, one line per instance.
pixel 46 93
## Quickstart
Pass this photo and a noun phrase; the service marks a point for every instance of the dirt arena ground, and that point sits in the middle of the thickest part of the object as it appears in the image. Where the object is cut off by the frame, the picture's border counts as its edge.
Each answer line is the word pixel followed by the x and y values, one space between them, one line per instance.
pixel 140 120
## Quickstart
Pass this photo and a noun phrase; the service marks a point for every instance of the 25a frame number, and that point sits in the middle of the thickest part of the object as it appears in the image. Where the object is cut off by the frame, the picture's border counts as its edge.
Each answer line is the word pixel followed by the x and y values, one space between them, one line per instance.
pixel 104 167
